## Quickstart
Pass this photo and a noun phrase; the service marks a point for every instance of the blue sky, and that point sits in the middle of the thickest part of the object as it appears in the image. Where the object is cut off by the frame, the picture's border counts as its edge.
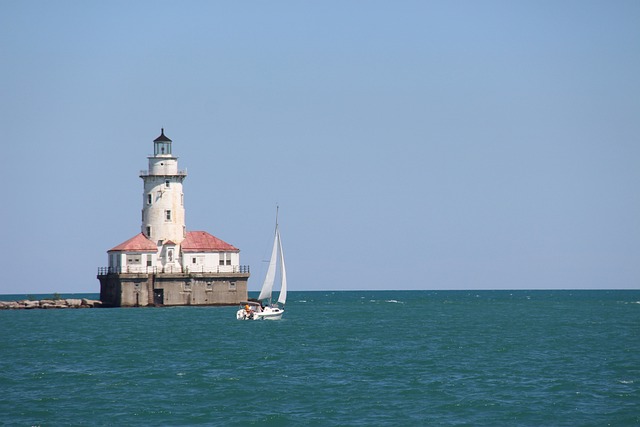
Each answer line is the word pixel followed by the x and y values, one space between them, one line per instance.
pixel 410 145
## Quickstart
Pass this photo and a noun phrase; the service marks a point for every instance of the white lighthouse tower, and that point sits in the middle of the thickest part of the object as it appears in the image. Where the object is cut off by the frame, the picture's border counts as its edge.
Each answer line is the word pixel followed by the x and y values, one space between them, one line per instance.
pixel 163 218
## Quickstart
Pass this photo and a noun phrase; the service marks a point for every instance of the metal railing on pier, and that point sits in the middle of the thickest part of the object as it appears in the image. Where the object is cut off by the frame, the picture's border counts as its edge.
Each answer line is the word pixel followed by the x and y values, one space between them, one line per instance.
pixel 103 271
pixel 218 269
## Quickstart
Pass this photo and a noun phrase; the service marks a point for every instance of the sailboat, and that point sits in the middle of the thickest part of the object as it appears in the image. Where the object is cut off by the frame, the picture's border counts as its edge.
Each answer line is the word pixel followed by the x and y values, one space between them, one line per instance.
pixel 264 309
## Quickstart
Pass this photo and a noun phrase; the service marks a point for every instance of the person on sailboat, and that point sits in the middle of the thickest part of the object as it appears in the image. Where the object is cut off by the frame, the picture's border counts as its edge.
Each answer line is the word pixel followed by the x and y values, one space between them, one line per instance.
pixel 248 311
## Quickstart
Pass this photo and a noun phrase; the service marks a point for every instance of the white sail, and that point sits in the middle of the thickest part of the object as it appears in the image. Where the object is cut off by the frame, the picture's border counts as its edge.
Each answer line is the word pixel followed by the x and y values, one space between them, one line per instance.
pixel 282 298
pixel 267 285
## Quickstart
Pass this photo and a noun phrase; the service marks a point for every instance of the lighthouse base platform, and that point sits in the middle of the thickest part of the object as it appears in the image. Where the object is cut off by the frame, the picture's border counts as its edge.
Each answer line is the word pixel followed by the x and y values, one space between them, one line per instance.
pixel 172 289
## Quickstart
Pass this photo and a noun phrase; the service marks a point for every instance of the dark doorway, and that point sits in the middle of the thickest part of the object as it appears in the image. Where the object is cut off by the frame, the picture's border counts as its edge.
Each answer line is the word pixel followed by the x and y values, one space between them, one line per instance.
pixel 158 296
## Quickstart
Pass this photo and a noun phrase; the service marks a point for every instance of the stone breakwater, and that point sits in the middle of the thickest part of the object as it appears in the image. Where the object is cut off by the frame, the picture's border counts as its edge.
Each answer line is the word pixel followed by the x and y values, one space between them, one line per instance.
pixel 50 303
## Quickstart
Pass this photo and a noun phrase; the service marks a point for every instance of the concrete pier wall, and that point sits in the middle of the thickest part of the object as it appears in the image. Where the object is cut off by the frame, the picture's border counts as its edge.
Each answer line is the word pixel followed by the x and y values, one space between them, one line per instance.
pixel 172 289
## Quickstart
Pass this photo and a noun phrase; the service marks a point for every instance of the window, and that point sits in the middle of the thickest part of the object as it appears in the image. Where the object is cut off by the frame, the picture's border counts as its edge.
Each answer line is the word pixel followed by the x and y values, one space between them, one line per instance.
pixel 161 147
pixel 232 286
pixel 167 215
pixel 225 258
pixel 133 259
pixel 149 198
pixel 193 260
pixel 209 286
pixel 166 183
pixel 148 231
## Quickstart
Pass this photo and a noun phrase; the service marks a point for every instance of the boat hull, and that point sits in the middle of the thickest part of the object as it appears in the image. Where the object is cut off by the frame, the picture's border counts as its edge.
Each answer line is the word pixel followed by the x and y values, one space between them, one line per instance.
pixel 268 313
pixel 271 314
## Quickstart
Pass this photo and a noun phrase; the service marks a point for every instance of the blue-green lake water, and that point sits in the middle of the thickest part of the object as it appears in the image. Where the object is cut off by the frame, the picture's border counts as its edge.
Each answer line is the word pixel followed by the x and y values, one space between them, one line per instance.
pixel 365 358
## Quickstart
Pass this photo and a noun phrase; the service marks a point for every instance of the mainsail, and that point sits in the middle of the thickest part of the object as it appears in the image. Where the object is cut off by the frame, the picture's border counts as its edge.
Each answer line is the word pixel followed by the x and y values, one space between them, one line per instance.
pixel 267 286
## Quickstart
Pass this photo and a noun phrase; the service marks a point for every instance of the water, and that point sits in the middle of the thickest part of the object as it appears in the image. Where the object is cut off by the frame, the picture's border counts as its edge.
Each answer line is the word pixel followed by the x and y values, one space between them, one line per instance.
pixel 480 358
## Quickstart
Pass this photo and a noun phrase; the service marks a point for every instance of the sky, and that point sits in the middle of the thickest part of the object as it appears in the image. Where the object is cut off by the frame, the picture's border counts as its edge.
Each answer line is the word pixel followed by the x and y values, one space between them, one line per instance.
pixel 409 144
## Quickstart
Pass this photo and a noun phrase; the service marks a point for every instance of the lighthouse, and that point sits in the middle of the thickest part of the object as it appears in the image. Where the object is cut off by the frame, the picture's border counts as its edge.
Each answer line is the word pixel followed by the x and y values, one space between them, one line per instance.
pixel 165 264
pixel 163 202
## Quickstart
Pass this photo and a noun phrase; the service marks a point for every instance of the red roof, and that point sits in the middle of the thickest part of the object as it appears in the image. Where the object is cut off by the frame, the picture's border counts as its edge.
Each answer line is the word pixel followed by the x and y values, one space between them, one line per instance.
pixel 138 243
pixel 201 241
